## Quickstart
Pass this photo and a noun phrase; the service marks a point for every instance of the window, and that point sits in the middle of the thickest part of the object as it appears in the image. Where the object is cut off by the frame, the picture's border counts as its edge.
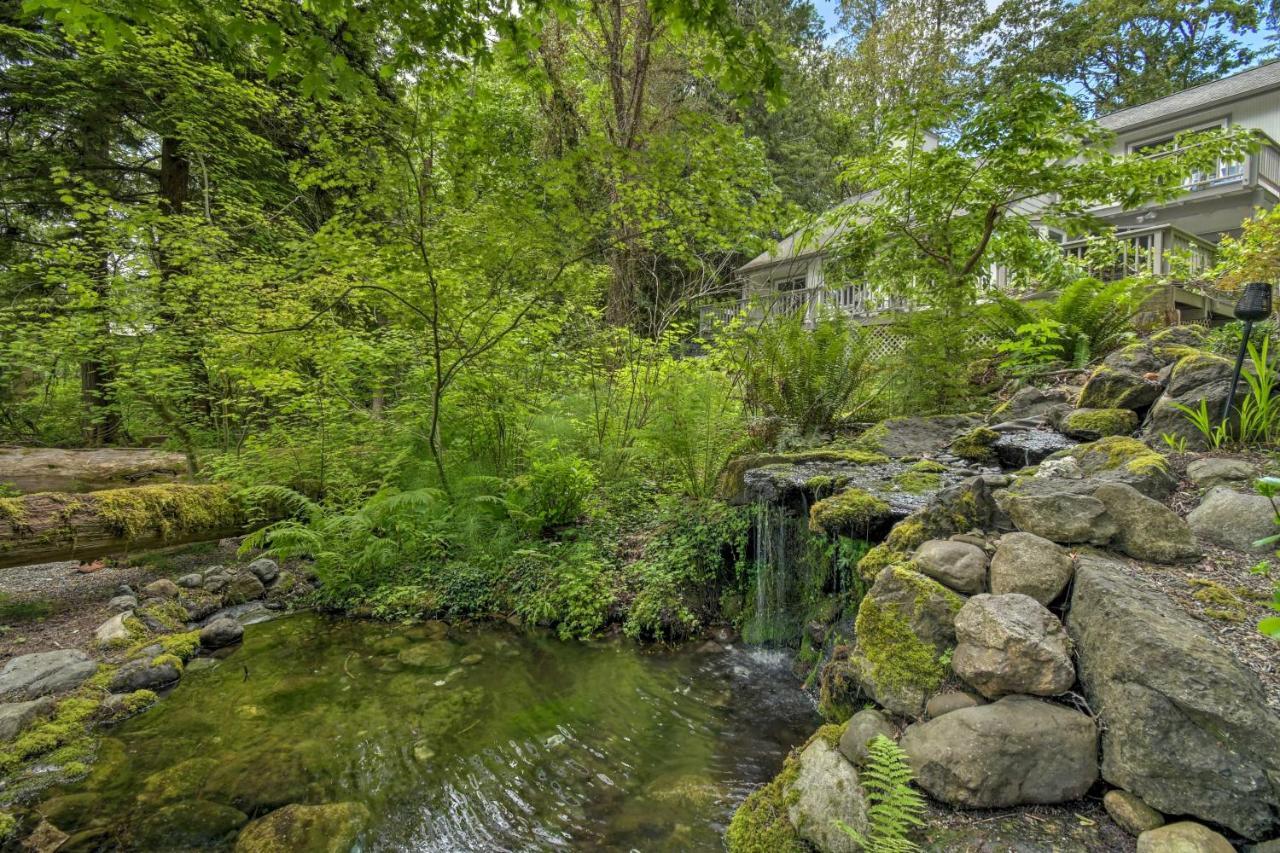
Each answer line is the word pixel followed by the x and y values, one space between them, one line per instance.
pixel 1223 172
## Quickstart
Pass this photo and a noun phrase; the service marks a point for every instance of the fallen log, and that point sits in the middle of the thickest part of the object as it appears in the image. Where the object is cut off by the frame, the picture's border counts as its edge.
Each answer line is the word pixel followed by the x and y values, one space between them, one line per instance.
pixel 51 526
pixel 52 469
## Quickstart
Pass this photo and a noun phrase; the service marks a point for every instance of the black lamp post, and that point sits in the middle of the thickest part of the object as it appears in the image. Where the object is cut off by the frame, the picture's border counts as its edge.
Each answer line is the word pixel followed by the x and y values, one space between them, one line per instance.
pixel 1254 305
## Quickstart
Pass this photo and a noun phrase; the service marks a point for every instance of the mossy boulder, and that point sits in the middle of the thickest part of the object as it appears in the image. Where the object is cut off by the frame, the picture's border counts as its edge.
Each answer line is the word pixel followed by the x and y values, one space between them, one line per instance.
pixel 1197 378
pixel 1092 424
pixel 761 825
pixel 905 627
pixel 1122 459
pixel 188 825
pixel 977 445
pixel 915 436
pixel 1116 388
pixel 878 558
pixel 327 828
pixel 853 511
pixel 732 487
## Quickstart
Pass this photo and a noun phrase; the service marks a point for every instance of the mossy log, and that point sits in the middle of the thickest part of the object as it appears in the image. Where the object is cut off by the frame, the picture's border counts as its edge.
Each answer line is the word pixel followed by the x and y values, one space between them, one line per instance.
pixel 51 526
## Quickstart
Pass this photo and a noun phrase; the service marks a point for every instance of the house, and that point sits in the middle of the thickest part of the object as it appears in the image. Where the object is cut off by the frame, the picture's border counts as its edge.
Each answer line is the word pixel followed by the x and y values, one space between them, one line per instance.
pixel 791 275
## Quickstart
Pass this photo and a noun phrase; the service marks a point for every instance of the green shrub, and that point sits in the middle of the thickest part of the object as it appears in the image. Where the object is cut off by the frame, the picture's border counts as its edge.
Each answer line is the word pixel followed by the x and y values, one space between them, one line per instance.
pixel 555 491
pixel 1086 320
pixel 564 586
pixel 694 427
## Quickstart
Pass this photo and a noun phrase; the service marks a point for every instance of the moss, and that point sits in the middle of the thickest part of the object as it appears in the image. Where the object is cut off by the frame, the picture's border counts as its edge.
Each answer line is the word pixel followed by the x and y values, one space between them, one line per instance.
pixel 162 659
pixel 14 511
pixel 169 614
pixel 928 466
pixel 8 826
pixel 761 825
pixel 65 731
pixel 825 484
pixel 975 445
pixel 183 646
pixel 878 558
pixel 133 703
pixel 907 535
pixel 850 510
pixel 897 658
pixel 838 687
pixel 1101 422
pixel 873 439
pixel 918 482
pixel 166 510
pixel 1118 451
pixel 1174 352
pixel 1220 602
pixel 1196 360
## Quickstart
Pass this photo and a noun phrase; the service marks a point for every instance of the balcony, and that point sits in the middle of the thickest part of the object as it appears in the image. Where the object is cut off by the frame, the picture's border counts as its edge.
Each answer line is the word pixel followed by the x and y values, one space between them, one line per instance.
pixel 856 301
pixel 1158 250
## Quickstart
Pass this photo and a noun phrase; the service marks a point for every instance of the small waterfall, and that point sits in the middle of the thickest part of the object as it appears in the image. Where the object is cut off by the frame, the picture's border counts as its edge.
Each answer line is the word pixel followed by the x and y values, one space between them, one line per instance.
pixel 793 569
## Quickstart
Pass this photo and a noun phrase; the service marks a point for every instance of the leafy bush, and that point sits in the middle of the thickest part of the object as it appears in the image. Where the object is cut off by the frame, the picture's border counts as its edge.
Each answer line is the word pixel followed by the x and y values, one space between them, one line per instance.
pixel 694 427
pixel 1270 487
pixel 896 808
pixel 1258 408
pixel 1086 320
pixel 807 377
pixel 565 586
pixel 554 492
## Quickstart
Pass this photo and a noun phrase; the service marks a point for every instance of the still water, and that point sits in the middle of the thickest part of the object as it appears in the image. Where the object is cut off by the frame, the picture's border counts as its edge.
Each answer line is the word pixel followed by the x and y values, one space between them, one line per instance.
pixel 453 739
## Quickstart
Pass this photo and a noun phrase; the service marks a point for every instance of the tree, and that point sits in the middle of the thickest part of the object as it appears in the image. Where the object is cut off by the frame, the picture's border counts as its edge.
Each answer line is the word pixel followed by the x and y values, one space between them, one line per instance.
pixel 1116 53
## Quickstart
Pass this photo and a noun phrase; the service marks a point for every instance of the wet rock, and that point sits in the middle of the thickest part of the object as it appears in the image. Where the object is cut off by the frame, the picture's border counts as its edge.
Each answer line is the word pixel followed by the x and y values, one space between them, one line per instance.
pixel 905 624
pixel 162 588
pixel 1235 520
pixel 958 565
pixel 40 674
pixel 243 587
pixel 1146 529
pixel 1031 565
pixel 1220 471
pixel 146 675
pixel 916 436
pixel 1029 447
pixel 328 828
pixel 264 569
pixel 221 632
pixel 16 716
pixel 189 825
pixel 1012 644
pixel 120 706
pixel 45 839
pixel 113 632
pixel 825 791
pixel 71 812
pixel 195 580
pixel 1188 728
pixel 1062 468
pixel 955 700
pixel 1029 402
pixel 122 603
pixel 1015 751
pixel 434 654
pixel 258 782
pixel 1130 813
pixel 861 729
pixel 1061 517
pixel 1183 837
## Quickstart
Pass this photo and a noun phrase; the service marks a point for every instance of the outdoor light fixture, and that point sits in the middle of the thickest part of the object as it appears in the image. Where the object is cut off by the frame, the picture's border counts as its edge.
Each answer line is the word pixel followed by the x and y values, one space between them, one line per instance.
pixel 1254 305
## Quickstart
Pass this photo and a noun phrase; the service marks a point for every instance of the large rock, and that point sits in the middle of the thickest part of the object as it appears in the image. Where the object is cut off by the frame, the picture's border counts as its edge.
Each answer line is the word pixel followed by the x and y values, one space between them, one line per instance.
pixel 958 565
pixel 1146 529
pixel 825 791
pixel 1187 726
pixel 242 587
pixel 1029 402
pixel 1183 837
pixel 1116 388
pixel 1121 459
pixel 862 728
pixel 16 716
pixel 1220 471
pixel 1093 424
pixel 35 675
pixel 905 624
pixel 188 825
pixel 1234 520
pixel 1031 565
pixel 162 588
pixel 264 569
pixel 1012 644
pixel 328 828
pixel 1196 378
pixel 223 631
pixel 1061 516
pixel 1012 752
pixel 114 631
pixel 146 675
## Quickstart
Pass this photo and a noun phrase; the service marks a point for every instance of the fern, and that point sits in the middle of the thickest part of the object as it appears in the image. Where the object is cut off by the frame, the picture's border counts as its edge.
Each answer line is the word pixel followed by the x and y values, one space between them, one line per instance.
pixel 896 808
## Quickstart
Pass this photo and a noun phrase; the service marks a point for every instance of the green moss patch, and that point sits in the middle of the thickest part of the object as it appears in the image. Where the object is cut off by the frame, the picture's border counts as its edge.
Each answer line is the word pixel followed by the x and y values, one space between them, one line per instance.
pixel 895 657
pixel 1100 422
pixel 167 510
pixel 918 482
pixel 1115 452
pixel 880 557
pixel 761 825
pixel 976 445
pixel 850 510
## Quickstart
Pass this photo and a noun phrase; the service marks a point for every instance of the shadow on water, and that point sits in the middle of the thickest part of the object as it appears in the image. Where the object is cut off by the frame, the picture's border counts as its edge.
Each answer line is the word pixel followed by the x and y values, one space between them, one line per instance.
pixel 476 739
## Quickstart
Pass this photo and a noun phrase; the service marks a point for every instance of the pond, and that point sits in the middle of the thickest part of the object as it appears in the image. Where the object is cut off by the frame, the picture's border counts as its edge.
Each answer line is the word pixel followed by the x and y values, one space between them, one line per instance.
pixel 474 738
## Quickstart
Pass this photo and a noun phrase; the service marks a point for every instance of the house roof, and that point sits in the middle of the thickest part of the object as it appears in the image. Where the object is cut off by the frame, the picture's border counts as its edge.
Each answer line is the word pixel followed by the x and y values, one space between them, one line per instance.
pixel 804 242
pixel 1215 93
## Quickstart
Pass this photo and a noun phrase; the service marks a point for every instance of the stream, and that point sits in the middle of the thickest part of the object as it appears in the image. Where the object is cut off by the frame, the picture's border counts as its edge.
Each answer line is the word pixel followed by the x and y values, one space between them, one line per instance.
pixel 463 738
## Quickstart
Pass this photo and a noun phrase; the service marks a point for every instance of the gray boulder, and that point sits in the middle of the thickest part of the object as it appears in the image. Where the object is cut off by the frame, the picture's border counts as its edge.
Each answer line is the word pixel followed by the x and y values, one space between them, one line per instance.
pixel 221 632
pixel 122 603
pixel 958 565
pixel 1029 402
pixel 825 791
pixel 1146 529
pixel 862 728
pixel 1234 520
pixel 1031 565
pixel 1187 726
pixel 1117 388
pixel 1220 471
pixel 1015 751
pixel 113 632
pixel 162 588
pixel 144 675
pixel 1061 516
pixel 216 579
pixel 195 580
pixel 16 716
pixel 264 569
pixel 243 587
pixel 1196 378
pixel 35 675
pixel 954 700
pixel 1012 644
